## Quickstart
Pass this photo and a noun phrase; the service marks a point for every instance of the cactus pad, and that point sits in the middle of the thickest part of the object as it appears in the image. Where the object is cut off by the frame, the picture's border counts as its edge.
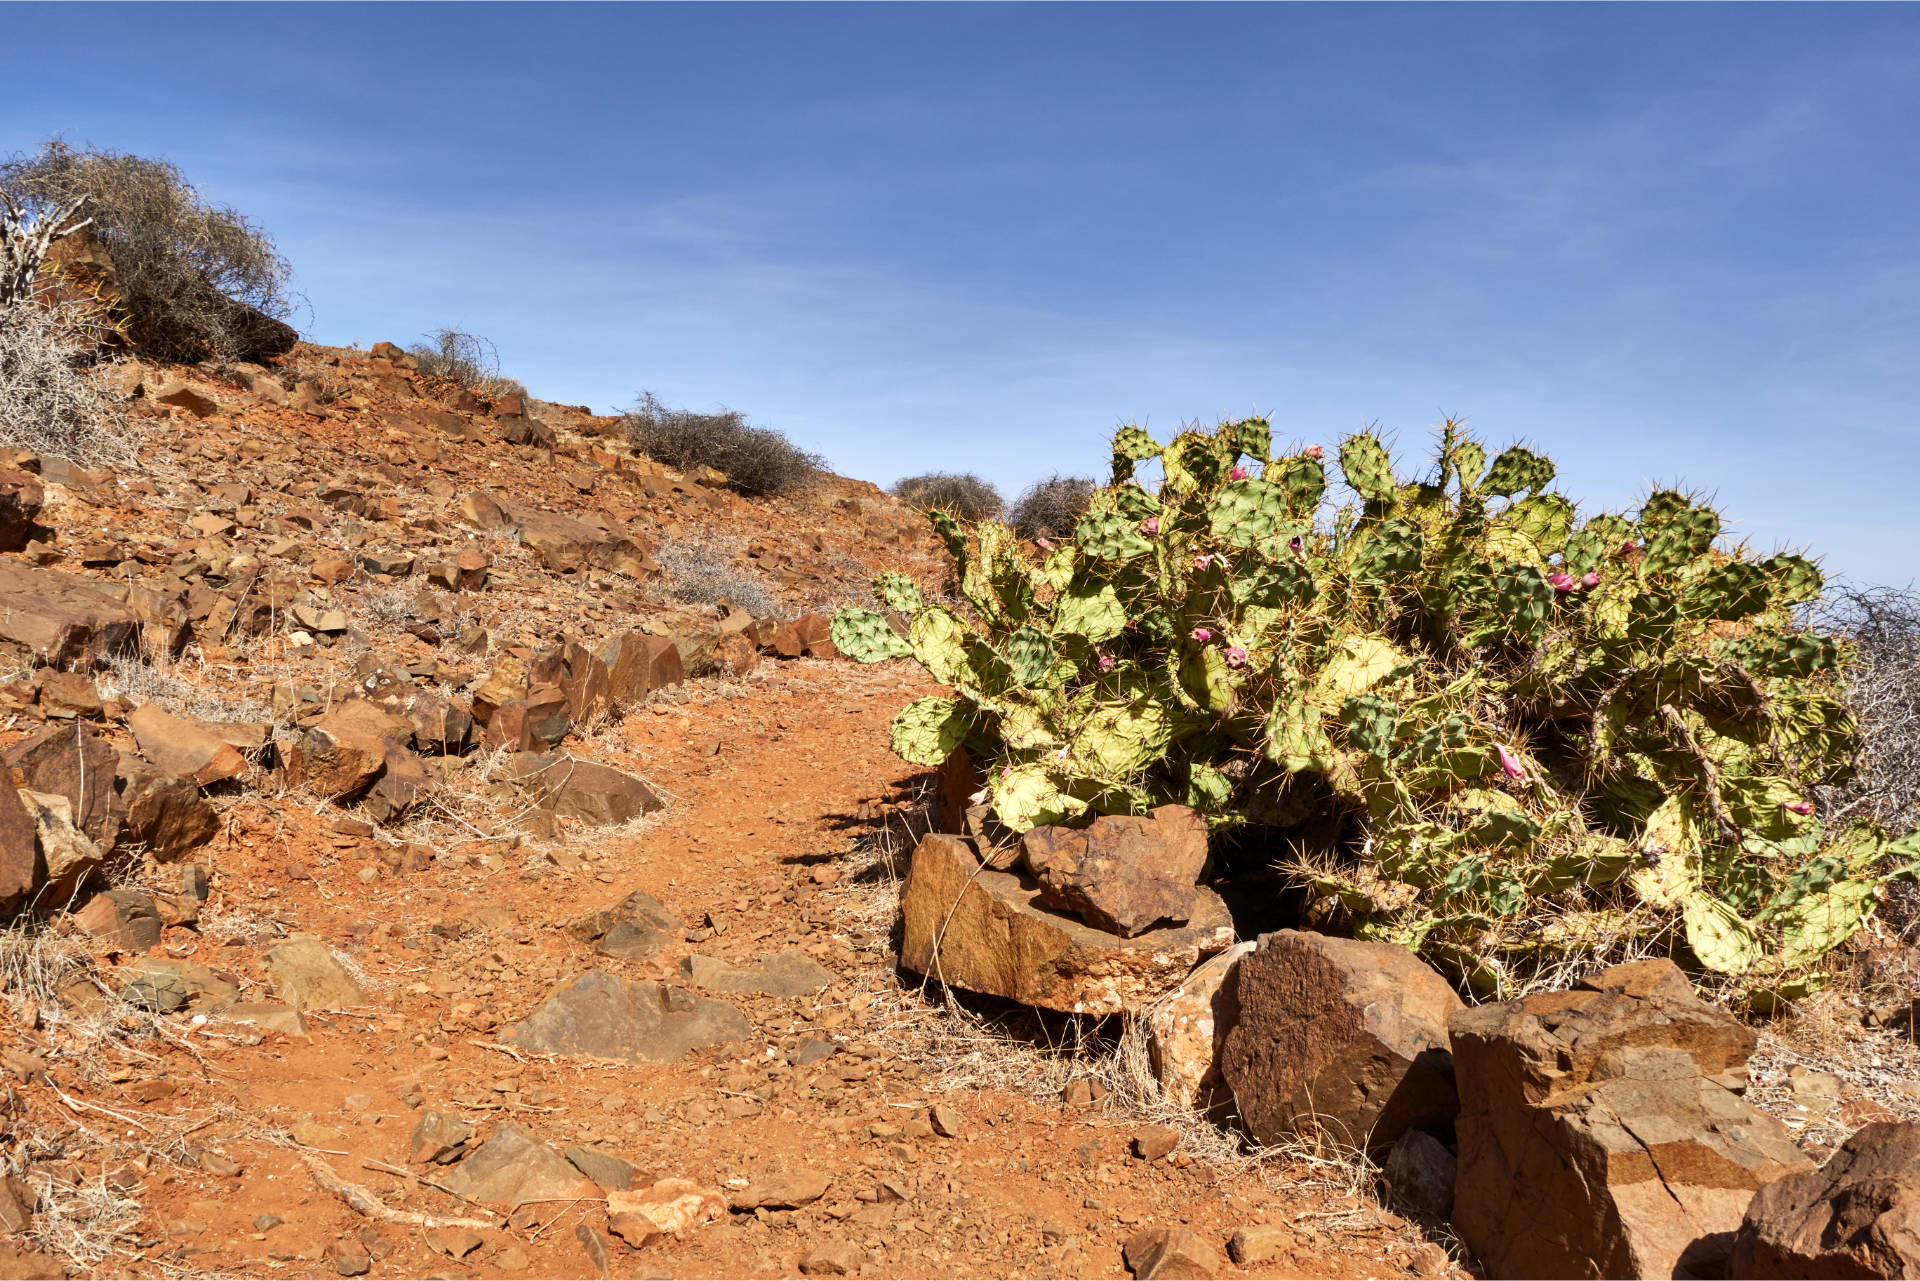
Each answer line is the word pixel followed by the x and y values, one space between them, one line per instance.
pixel 1517 469
pixel 927 730
pixel 1366 468
pixel 865 637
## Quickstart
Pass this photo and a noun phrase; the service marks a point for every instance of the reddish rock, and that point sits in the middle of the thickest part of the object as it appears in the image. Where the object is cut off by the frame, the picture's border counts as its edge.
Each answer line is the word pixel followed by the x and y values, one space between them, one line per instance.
pixel 587 686
pixel 1172 1254
pixel 19 850
pixel 1122 873
pixel 183 747
pixel 77 762
pixel 68 695
pixel 597 795
pixel 438 727
pixel 735 655
pixel 1856 1216
pixel 63 620
pixel 20 499
pixel 338 764
pixel 480 511
pixel 163 812
pixel 505 683
pixel 122 920
pixel 1596 1139
pixel 402 784
pixel 1340 1034
pixel 1185 1030
pixel 638 664
pixel 508 728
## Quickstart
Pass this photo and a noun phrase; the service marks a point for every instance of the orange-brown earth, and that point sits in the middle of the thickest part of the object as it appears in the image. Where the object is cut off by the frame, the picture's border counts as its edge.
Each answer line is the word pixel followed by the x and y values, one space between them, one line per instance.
pixel 217 1137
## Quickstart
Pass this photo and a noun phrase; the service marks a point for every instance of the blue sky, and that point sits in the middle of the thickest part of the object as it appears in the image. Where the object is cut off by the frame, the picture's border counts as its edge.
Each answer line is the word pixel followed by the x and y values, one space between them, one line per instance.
pixel 1667 243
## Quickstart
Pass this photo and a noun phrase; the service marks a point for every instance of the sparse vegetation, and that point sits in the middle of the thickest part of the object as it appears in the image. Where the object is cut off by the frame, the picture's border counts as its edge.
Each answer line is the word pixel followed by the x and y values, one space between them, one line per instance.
pixel 49 402
pixel 1052 507
pixel 755 460
pixel 707 571
pixel 962 493
pixel 466 359
pixel 195 280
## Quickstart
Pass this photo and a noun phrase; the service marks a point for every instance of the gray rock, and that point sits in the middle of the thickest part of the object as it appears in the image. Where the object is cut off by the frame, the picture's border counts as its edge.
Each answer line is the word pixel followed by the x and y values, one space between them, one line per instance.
pixel 606 1017
pixel 439 1137
pixel 1419 1171
pixel 306 976
pixel 614 1173
pixel 513 1167
pixel 597 795
pixel 787 973
pixel 270 1016
pixel 634 929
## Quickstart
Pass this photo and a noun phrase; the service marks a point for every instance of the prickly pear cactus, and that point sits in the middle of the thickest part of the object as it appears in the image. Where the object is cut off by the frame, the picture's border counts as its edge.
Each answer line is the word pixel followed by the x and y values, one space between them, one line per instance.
pixel 1549 733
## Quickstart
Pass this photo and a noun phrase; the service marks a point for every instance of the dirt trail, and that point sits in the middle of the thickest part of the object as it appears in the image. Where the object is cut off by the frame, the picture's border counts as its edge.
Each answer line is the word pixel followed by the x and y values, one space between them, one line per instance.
pixel 773 787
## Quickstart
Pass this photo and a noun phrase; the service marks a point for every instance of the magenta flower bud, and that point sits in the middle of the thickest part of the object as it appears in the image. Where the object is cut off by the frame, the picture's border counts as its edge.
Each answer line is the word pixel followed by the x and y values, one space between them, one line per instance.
pixel 1297 543
pixel 1510 763
pixel 1590 579
pixel 1562 583
pixel 1239 473
pixel 1044 544
pixel 1628 547
pixel 978 798
pixel 1312 451
pixel 1802 808
pixel 1201 562
pixel 1235 656
pixel 1106 662
pixel 1151 525
pixel 1202 634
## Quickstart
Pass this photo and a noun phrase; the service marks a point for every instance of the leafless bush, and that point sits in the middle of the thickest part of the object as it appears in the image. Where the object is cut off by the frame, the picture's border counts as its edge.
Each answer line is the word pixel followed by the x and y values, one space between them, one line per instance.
pixel 48 401
pixel 24 245
pixel 756 460
pixel 1883 693
pixel 467 359
pixel 706 572
pixel 194 279
pixel 964 494
pixel 1052 507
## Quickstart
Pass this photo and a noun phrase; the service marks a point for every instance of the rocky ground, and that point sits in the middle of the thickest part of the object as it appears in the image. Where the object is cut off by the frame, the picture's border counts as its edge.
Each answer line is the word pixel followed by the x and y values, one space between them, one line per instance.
pixel 439 938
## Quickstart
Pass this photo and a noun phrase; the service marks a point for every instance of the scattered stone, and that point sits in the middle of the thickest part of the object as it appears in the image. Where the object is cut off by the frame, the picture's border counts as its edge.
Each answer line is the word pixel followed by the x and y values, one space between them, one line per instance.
pixel 1152 1142
pixel 787 973
pixel 946 1120
pixel 165 985
pixel 17 1263
pixel 1259 1242
pixel 455 1243
pixel 634 929
pixel 1176 1254
pixel 614 1173
pixel 350 1258
pixel 604 1016
pixel 1419 1171
pixel 66 857
pixel 1186 1027
pixel 183 747
pixel 306 976
pixel 439 1138
pixel 785 1191
pixel 75 762
pixel 638 664
pixel 672 1205
pixel 270 1016
pixel 596 1247
pixel 335 761
pixel 513 1167
pixel 18 1201
pixel 597 795
pixel 165 813
pixel 19 850
pixel 637 1230
pixel 1339 1034
pixel 121 920
pixel 1122 873
pixel 20 500
pixel 833 1259
pixel 984 931
pixel 1594 1139
pixel 63 620
pixel 1856 1216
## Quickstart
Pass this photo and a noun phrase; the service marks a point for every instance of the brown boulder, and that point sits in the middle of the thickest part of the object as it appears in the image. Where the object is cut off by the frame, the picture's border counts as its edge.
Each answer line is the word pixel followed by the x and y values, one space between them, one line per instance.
pixel 438 726
pixel 816 636
pixel 1122 873
pixel 634 929
pixel 76 762
pixel 1185 1030
pixel 183 747
pixel 1856 1216
pixel 122 920
pixel 734 654
pixel 338 763
pixel 603 1016
pixel 20 499
pixel 403 781
pixel 597 795
pixel 506 683
pixel 1172 1254
pixel 19 850
pixel 1596 1138
pixel 63 620
pixel 1340 1034
pixel 986 931
pixel 638 664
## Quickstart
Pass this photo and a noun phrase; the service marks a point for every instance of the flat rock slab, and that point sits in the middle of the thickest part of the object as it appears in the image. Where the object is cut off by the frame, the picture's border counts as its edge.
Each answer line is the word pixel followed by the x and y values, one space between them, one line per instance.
pixel 787 973
pixel 306 976
pixel 597 795
pixel 634 929
pixel 513 1167
pixel 605 1017
pixel 986 931
pixel 1185 1029
pixel 183 747
pixel 62 619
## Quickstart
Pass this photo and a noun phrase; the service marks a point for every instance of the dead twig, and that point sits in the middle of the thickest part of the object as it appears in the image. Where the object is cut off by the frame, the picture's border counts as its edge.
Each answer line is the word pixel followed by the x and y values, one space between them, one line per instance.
pixel 329 1180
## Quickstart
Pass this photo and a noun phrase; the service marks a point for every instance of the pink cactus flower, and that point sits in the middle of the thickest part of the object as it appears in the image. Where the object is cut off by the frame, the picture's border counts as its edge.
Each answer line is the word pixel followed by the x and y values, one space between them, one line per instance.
pixel 1590 579
pixel 1151 525
pixel 1312 451
pixel 1297 543
pixel 1802 808
pixel 1628 548
pixel 1044 544
pixel 1106 662
pixel 978 798
pixel 1562 583
pixel 1201 635
pixel 1202 562
pixel 1510 763
pixel 1239 473
pixel 1235 656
